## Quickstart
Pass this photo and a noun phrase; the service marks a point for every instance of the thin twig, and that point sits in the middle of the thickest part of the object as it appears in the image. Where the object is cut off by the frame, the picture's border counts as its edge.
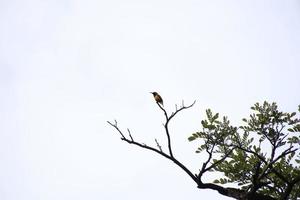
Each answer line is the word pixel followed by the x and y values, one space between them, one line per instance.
pixel 115 125
pixel 158 145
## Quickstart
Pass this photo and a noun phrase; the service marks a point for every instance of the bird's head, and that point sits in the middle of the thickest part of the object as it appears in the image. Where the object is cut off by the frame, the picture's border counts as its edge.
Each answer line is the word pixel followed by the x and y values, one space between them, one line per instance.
pixel 154 93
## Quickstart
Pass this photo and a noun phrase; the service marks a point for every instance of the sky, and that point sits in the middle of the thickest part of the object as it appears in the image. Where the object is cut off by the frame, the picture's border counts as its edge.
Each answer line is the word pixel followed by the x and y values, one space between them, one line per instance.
pixel 66 67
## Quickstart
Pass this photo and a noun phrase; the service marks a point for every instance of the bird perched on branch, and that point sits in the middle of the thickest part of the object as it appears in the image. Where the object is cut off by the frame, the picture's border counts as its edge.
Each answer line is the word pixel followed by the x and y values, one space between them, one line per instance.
pixel 157 98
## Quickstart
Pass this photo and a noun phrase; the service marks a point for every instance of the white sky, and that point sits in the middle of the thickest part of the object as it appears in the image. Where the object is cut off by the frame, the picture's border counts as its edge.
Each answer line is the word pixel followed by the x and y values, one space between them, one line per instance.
pixel 66 67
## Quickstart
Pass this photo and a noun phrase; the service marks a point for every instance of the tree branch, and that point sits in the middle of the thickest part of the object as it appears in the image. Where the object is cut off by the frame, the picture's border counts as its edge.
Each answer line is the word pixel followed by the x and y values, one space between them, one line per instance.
pixel 159 151
pixel 264 172
pixel 168 119
pixel 144 146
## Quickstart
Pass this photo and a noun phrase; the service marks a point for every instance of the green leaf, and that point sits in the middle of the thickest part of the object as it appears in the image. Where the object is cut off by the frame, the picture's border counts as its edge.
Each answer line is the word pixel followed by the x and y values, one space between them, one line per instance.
pixel 296 128
pixel 216 116
pixel 223 180
pixel 191 138
pixel 293 114
pixel 204 123
pixel 216 181
pixel 208 114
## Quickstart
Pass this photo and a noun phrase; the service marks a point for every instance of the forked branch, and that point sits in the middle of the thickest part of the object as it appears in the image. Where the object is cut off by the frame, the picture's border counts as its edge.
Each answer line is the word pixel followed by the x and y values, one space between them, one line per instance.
pixel 168 119
pixel 158 150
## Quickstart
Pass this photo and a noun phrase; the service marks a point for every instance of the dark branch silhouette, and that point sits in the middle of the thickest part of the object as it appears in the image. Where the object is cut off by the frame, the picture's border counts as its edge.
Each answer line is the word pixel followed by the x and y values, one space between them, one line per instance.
pixel 169 155
pixel 264 177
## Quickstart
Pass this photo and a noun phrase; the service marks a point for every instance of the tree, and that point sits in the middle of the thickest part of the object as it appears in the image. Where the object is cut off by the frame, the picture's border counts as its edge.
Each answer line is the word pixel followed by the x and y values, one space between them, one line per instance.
pixel 261 157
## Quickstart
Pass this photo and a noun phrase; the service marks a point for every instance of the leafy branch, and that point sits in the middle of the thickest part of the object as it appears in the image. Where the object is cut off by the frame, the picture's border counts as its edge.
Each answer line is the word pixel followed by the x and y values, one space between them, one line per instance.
pixel 260 174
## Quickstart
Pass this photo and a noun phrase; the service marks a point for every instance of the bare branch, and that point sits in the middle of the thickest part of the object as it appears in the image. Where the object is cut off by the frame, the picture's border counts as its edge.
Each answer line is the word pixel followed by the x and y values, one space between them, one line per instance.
pixel 144 146
pixel 129 134
pixel 115 125
pixel 168 119
pixel 183 107
pixel 158 145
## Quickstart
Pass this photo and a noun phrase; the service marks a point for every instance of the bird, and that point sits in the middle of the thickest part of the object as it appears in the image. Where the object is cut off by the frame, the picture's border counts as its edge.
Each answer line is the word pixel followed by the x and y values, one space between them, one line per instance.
pixel 157 98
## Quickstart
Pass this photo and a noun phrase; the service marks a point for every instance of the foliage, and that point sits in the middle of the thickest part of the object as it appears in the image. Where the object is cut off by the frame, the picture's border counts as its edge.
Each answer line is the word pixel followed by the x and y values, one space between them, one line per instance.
pixel 260 157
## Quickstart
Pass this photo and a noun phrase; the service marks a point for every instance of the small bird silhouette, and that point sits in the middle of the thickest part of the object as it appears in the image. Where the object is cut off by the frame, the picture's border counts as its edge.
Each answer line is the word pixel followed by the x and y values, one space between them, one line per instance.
pixel 157 98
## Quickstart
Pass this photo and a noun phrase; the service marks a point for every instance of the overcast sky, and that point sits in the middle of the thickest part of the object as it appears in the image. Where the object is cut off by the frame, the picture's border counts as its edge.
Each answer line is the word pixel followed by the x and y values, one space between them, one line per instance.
pixel 66 67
